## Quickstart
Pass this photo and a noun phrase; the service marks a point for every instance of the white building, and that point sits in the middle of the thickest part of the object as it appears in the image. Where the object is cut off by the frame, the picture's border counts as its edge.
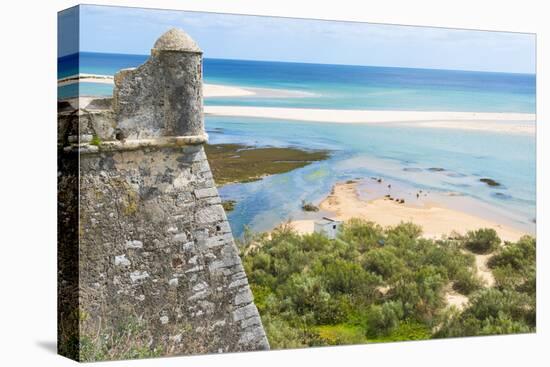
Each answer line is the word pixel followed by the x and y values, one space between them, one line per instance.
pixel 329 227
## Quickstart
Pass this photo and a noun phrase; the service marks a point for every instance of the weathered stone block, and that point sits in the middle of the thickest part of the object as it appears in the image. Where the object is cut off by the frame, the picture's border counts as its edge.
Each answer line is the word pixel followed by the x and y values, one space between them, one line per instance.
pixel 252 321
pixel 216 241
pixel 210 214
pixel 122 260
pixel 206 193
pixel 137 276
pixel 134 244
pixel 245 312
pixel 243 297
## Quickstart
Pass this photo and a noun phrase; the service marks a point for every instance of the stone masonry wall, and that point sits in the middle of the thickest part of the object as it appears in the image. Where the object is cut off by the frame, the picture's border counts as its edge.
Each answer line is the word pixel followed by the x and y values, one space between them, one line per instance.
pixel 158 269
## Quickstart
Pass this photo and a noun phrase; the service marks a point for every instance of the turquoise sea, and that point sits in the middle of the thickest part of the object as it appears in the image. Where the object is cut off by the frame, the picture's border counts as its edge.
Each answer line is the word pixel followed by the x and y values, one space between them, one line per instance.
pixel 399 153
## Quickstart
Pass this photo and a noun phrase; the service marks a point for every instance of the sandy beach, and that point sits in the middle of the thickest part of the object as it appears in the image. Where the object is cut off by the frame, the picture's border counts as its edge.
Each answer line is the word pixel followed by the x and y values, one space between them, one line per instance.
pixel 485 121
pixel 510 123
pixel 436 220
pixel 217 90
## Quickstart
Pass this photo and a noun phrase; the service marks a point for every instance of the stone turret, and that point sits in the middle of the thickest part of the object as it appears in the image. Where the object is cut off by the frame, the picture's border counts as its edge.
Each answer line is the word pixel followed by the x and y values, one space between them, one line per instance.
pixel 147 254
pixel 163 97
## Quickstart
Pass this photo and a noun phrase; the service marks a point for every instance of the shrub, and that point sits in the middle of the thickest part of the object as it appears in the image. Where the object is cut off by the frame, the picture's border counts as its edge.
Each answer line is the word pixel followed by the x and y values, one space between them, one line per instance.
pixel 362 235
pixel 466 282
pixel 482 241
pixel 529 286
pixel 343 277
pixel 404 232
pixel 430 282
pixel 311 290
pixel 492 311
pixel 341 334
pixel 383 319
pixel 514 266
pixel 384 262
pixel 282 335
pixel 406 330
pixel 506 277
pixel 518 256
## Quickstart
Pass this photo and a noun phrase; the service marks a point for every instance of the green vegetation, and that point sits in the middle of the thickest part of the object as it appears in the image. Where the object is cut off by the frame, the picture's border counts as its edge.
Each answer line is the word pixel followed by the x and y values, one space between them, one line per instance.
pixel 309 207
pixel 375 284
pixel 228 205
pixel 113 343
pixel 510 307
pixel 482 241
pixel 95 140
pixel 240 163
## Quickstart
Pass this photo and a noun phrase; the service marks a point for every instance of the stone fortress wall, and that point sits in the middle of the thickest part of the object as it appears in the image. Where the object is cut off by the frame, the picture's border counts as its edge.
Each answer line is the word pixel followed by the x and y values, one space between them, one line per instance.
pixel 144 242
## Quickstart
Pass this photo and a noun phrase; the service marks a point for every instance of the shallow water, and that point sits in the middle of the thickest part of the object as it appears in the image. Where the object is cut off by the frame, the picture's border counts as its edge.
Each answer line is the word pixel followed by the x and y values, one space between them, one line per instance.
pixel 440 160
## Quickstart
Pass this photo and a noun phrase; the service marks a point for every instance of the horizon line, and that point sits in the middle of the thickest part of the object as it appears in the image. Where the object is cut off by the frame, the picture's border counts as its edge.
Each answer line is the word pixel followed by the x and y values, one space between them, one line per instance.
pixel 320 63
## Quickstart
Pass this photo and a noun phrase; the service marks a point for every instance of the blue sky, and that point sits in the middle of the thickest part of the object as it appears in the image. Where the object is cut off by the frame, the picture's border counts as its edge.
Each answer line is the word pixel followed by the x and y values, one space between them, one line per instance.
pixel 134 31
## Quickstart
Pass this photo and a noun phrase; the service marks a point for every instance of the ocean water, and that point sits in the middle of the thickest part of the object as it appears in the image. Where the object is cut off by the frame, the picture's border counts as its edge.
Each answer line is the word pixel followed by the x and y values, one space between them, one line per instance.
pixel 399 153
pixel 337 86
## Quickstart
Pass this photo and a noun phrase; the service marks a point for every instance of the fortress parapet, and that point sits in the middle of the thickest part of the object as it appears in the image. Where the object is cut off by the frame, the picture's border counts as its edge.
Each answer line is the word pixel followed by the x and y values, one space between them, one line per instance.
pixel 145 250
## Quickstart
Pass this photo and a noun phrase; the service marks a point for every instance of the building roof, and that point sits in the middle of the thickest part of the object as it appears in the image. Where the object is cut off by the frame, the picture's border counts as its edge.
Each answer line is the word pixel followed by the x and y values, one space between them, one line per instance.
pixel 176 40
pixel 327 220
